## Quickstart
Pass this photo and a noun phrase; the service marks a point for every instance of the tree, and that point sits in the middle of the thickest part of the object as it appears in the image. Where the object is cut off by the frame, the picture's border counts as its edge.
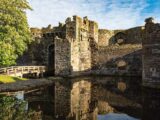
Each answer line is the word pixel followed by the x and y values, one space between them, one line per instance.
pixel 14 30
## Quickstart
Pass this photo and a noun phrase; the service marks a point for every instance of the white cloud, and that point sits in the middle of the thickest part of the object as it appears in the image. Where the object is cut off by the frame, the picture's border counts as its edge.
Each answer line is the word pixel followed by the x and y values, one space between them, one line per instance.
pixel 114 14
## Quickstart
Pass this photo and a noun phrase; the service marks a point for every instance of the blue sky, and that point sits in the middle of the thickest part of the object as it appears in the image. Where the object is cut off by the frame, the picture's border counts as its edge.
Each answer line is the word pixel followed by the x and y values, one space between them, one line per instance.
pixel 110 14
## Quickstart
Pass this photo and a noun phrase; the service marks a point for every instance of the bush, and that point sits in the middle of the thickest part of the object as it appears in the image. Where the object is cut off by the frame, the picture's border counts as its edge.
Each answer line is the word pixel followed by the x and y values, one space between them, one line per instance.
pixel 13 109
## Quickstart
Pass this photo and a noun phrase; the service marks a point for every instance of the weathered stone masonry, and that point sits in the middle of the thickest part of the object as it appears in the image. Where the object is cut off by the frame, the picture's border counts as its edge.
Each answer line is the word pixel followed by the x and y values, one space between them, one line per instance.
pixel 151 54
pixel 81 48
pixel 72 45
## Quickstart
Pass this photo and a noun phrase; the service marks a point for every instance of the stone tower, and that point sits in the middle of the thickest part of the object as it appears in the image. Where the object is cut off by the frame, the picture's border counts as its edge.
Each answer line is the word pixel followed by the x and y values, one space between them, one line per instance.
pixel 151 54
pixel 84 30
pixel 71 44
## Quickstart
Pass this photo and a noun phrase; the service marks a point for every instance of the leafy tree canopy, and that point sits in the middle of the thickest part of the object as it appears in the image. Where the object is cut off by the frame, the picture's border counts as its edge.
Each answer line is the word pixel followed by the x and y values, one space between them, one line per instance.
pixel 14 30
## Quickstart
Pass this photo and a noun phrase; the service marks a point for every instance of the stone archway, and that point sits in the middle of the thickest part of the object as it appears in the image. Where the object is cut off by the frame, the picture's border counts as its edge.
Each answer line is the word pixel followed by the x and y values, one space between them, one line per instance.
pixel 120 38
pixel 51 59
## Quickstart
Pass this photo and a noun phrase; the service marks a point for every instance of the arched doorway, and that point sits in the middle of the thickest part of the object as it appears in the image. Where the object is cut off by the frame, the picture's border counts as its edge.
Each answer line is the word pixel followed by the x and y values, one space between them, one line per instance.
pixel 51 59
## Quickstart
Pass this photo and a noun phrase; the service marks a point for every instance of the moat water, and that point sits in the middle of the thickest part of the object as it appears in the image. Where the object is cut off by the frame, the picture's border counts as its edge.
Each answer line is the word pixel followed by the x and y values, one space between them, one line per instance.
pixel 95 98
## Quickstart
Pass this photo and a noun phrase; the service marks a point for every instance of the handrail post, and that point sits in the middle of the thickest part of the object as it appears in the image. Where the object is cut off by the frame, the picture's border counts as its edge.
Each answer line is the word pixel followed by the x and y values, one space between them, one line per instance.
pixel 28 69
pixel 7 72
pixel 15 70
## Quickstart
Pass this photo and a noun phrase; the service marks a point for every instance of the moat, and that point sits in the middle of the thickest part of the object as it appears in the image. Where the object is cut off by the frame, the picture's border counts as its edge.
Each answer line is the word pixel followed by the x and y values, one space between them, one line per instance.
pixel 89 98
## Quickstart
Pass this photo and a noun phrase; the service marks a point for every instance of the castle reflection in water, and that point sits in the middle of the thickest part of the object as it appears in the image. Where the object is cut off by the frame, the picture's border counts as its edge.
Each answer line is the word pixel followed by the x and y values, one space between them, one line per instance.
pixel 84 98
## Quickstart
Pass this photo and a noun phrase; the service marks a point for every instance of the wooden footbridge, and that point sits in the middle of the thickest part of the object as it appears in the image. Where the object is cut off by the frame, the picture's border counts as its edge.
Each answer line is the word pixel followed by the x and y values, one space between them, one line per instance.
pixel 20 71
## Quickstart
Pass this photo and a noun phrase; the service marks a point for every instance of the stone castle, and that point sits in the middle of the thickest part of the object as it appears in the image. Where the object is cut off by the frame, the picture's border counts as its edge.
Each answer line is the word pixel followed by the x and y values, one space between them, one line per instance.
pixel 79 47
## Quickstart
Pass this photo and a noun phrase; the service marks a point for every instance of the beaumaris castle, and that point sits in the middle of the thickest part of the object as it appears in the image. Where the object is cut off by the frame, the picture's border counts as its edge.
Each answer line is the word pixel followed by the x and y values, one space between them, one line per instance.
pixel 80 47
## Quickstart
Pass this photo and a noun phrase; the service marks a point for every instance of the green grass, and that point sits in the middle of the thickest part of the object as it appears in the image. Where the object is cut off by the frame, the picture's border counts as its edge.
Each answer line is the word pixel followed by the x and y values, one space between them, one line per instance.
pixel 10 79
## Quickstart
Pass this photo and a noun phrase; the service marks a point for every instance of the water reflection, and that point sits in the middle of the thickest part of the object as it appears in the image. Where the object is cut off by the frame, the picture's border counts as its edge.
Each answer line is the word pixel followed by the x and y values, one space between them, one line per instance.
pixel 115 116
pixel 151 104
pixel 85 98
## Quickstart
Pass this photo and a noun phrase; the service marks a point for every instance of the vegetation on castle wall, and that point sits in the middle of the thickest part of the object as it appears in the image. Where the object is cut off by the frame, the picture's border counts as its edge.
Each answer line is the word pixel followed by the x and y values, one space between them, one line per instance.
pixel 14 30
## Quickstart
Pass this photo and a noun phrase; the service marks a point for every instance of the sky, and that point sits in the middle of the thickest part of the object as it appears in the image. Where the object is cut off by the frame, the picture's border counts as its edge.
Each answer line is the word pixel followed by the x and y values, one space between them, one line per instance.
pixel 110 14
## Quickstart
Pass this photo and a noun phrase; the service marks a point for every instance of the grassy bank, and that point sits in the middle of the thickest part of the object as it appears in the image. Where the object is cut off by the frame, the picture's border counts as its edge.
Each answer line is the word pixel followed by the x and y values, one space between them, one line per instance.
pixel 10 79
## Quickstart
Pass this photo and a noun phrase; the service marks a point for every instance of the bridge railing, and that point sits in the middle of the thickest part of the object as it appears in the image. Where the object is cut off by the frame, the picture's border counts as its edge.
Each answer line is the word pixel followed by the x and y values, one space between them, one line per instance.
pixel 22 69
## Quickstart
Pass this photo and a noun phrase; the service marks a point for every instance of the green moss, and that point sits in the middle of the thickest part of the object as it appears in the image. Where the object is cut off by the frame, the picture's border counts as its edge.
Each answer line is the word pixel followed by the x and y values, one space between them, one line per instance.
pixel 10 79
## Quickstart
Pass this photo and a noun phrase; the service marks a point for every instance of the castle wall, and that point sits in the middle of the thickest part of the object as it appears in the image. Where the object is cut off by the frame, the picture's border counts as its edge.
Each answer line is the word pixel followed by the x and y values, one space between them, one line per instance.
pixel 107 37
pixel 118 60
pixel 62 57
pixel 130 36
pixel 104 36
pixel 134 35
pixel 117 47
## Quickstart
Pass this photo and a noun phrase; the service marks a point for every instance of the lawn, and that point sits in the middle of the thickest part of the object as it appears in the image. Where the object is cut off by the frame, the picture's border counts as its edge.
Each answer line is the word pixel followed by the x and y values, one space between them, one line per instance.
pixel 10 79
